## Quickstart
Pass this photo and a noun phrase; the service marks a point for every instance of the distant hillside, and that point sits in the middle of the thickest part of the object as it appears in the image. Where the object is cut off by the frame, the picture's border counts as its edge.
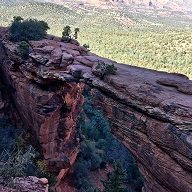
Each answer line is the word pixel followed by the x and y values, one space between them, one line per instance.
pixel 15 2
pixel 158 39
pixel 180 5
pixel 167 4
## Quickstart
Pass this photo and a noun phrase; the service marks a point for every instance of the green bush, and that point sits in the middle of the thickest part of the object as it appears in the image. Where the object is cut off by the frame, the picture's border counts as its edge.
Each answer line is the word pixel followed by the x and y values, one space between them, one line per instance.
pixel 16 158
pixel 105 69
pixel 76 30
pixel 89 154
pixel 25 30
pixel 95 161
pixel 23 49
pixel 100 140
pixel 86 46
pixel 87 160
pixel 14 163
pixel 67 33
pixel 115 180
pixel 80 173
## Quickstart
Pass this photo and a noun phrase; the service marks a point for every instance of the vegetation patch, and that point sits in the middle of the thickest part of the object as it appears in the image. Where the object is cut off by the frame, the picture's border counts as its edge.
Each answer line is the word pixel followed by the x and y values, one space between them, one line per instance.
pixel 17 159
pixel 67 34
pixel 25 30
pixel 150 40
pixel 98 148
pixel 23 49
pixel 105 69
pixel 115 180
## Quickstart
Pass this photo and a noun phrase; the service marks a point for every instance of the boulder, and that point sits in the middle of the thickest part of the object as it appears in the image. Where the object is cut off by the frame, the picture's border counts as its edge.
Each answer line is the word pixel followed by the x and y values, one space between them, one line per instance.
pixel 67 59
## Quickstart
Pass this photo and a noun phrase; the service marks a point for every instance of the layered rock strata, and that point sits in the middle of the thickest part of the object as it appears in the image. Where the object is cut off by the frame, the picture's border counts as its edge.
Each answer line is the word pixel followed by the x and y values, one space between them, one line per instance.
pixel 150 111
pixel 47 106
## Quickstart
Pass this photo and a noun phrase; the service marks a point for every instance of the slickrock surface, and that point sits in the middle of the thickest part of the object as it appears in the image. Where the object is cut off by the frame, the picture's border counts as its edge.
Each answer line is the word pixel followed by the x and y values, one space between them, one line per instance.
pixel 150 111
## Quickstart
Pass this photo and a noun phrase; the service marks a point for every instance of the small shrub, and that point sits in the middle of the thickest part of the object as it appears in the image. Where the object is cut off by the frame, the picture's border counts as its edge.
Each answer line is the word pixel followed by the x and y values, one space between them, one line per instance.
pixel 89 154
pixel 80 173
pixel 76 30
pixel 14 163
pixel 67 33
pixel 86 46
pixel 111 69
pixel 95 161
pixel 88 160
pixel 52 179
pixel 42 166
pixel 23 49
pixel 105 69
pixel 42 172
pixel 115 180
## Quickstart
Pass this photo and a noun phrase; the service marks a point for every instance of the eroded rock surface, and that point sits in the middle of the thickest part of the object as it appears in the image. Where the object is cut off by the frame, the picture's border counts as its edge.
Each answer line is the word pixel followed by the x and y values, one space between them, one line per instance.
pixel 150 111
pixel 27 184
pixel 47 104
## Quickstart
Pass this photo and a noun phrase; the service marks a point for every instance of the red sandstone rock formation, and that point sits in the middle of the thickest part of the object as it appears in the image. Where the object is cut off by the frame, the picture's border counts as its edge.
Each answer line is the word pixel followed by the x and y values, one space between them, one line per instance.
pixel 47 105
pixel 150 111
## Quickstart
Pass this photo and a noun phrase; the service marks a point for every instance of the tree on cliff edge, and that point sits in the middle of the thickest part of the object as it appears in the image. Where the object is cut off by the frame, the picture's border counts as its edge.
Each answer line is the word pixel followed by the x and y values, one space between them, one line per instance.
pixel 25 30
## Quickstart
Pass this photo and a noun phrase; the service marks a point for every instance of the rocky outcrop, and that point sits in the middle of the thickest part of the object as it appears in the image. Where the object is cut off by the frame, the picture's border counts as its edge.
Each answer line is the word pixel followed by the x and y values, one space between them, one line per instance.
pixel 151 114
pixel 150 111
pixel 29 184
pixel 47 104
pixel 161 149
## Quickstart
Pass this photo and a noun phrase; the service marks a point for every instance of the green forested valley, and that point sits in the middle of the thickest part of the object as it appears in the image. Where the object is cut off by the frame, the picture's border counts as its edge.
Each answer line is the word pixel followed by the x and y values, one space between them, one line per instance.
pixel 125 35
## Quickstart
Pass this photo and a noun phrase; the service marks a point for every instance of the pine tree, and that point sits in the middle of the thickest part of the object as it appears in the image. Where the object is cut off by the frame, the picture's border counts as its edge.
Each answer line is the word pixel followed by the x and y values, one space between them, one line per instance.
pixel 76 32
pixel 66 34
pixel 115 180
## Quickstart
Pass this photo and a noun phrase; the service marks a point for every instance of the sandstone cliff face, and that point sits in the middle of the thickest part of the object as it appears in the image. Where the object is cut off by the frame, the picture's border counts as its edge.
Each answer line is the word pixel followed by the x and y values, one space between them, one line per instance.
pixel 150 111
pixel 48 107
pixel 151 114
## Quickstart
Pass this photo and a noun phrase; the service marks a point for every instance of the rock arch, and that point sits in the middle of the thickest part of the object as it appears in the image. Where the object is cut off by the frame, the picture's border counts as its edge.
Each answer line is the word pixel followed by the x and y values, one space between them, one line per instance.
pixel 150 111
